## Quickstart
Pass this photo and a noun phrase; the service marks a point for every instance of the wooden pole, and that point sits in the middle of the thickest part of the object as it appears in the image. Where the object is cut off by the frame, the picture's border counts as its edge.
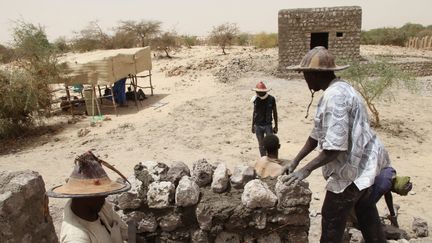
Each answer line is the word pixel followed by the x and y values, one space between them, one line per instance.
pixel 69 99
pixel 112 99
pixel 151 85
pixel 134 84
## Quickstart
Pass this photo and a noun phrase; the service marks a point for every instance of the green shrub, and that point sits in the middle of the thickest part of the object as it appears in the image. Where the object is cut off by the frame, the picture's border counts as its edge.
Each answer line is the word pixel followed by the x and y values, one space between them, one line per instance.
pixel 188 40
pixel 25 95
pixel 244 39
pixel 264 40
pixel 374 81
pixel 21 98
pixel 166 42
pixel 393 36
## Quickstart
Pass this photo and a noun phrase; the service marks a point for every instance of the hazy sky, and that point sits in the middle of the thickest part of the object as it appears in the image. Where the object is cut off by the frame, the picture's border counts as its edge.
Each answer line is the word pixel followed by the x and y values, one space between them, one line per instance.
pixel 197 17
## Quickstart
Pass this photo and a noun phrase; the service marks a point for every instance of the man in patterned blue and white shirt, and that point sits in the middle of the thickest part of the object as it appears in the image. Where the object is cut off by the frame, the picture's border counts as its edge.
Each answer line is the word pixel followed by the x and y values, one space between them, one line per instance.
pixel 351 154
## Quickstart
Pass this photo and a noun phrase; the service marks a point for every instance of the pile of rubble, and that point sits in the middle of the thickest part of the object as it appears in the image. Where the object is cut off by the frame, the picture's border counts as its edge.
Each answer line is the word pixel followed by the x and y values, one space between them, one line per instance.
pixel 211 204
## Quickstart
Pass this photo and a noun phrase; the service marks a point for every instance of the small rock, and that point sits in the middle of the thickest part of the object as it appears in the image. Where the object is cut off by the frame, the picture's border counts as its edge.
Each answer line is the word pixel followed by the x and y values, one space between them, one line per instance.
pixel 170 222
pixel 160 194
pixel 420 227
pixel 177 170
pixel 202 172
pixel 242 174
pixel 128 200
pixel 83 131
pixel 412 193
pixel 220 178
pixel 257 194
pixel 291 196
pixel 393 233
pixel 56 139
pixel 187 192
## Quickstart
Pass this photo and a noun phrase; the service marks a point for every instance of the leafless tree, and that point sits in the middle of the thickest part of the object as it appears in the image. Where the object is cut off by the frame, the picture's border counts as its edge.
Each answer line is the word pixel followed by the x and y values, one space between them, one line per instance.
pixel 224 35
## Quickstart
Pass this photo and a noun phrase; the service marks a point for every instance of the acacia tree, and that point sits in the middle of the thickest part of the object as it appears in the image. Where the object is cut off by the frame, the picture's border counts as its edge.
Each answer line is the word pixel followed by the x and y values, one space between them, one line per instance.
pixel 142 30
pixel 92 37
pixel 224 35
pixel 166 42
pixel 374 81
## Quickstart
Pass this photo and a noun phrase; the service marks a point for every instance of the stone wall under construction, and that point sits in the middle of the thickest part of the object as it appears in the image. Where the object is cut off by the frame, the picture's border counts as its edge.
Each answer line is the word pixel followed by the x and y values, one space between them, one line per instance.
pixel 211 204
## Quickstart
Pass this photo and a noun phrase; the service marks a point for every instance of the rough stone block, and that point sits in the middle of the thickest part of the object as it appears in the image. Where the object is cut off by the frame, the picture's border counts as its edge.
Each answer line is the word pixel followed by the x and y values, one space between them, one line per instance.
pixel 187 192
pixel 241 175
pixel 177 170
pixel 257 194
pixel 202 172
pixel 23 215
pixel 290 195
pixel 128 201
pixel 170 222
pixel 220 178
pixel 160 194
pixel 420 227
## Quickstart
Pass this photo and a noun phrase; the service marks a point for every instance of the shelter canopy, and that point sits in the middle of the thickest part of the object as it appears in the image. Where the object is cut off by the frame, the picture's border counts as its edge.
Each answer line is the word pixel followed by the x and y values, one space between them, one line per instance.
pixel 104 67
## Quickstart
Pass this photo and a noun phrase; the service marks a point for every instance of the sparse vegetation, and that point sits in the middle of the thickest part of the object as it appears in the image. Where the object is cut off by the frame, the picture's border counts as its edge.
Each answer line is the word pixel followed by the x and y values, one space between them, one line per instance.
pixel 24 90
pixel 224 35
pixel 394 36
pixel 92 37
pixel 374 81
pixel 264 40
pixel 6 54
pixel 143 30
pixel 165 42
pixel 188 40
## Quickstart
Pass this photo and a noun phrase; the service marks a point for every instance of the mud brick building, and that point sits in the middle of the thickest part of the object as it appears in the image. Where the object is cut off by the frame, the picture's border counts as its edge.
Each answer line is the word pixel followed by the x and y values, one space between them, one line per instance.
pixel 336 28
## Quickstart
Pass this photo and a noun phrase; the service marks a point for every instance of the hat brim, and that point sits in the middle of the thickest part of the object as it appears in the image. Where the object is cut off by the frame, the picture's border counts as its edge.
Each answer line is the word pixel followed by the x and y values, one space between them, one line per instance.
pixel 89 190
pixel 261 90
pixel 302 69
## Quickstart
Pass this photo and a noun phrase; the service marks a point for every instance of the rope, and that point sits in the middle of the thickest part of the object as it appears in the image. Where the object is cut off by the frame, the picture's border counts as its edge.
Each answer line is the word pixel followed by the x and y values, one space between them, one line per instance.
pixel 312 96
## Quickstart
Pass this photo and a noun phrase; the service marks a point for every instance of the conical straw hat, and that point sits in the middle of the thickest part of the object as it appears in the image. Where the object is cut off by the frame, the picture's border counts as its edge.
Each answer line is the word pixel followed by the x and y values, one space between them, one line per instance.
pixel 89 179
pixel 318 59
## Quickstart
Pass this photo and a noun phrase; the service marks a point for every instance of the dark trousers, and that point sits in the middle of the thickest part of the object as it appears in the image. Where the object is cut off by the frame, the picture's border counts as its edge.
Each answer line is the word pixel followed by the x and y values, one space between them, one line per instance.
pixel 335 211
pixel 260 131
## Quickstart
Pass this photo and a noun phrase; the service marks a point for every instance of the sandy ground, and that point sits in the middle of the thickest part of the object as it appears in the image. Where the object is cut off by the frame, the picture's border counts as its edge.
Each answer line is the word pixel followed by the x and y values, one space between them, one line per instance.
pixel 193 115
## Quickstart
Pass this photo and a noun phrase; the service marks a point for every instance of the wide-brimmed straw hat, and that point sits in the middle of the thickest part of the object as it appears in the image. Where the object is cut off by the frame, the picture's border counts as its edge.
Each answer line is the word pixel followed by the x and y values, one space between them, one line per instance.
pixel 261 87
pixel 89 179
pixel 318 59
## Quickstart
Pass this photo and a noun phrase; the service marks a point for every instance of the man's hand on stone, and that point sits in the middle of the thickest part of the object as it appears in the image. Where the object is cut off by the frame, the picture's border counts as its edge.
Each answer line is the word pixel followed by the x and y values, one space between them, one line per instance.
pixel 275 130
pixel 296 177
pixel 289 167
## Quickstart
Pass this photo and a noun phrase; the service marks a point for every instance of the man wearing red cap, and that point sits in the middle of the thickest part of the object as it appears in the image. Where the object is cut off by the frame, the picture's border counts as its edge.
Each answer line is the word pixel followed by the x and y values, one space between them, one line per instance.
pixel 263 114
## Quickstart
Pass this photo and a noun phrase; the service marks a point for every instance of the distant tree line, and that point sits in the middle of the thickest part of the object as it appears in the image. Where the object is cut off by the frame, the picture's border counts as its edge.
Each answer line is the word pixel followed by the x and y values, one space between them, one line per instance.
pixel 394 36
pixel 129 34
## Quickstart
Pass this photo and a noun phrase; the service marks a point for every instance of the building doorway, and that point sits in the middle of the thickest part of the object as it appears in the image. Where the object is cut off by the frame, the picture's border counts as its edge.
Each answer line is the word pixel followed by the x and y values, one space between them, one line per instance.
pixel 319 39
